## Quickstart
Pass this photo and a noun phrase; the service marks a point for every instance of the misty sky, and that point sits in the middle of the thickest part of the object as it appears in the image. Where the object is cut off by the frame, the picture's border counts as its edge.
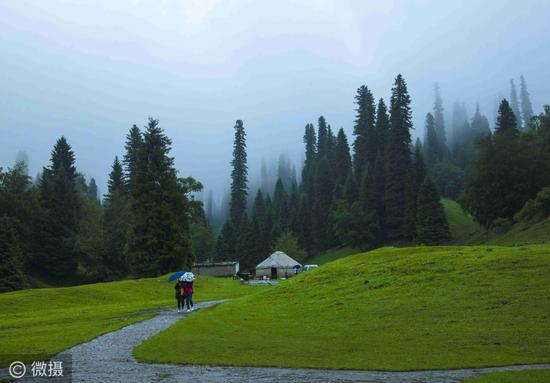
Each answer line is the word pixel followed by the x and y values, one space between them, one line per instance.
pixel 90 69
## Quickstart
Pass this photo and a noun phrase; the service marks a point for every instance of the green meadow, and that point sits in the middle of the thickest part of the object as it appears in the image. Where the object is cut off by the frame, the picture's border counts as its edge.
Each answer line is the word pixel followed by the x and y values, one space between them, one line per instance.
pixel 389 309
pixel 39 323
pixel 524 376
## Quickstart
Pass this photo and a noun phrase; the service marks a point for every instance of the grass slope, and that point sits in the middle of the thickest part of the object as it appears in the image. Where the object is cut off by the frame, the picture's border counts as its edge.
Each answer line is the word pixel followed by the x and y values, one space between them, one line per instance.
pixel 331 255
pixel 38 323
pixel 520 234
pixel 525 376
pixel 389 309
pixel 461 224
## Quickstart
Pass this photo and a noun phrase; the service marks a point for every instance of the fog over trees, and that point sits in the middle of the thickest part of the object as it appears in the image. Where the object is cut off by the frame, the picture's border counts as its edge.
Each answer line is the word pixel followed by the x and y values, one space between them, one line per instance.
pixel 135 154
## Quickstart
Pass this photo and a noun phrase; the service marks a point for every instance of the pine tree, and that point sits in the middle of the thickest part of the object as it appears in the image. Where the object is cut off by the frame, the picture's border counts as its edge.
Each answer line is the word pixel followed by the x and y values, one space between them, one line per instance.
pixel 398 158
pixel 439 123
pixel 259 237
pixel 239 177
pixel 460 118
pixel 89 241
pixel 526 107
pixel 92 192
pixel 57 252
pixel 514 102
pixel 284 171
pixel 416 174
pixel 134 141
pixel 280 206
pixel 506 121
pixel 294 208
pixel 159 236
pixel 321 204
pixel 366 141
pixel 308 172
pixel 431 224
pixel 342 160
pixel 116 222
pixel 367 211
pixel 305 236
pixel 116 183
pixel 431 144
pixel 226 244
pixel 322 138
pixel 11 257
pixel 382 126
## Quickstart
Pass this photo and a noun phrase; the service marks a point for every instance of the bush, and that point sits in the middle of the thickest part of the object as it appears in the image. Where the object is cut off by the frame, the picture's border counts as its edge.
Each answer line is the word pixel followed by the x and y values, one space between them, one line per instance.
pixel 535 209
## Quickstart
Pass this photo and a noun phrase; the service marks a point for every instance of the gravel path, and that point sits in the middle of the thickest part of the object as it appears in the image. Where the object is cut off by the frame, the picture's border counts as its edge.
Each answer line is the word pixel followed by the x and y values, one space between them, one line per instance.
pixel 108 358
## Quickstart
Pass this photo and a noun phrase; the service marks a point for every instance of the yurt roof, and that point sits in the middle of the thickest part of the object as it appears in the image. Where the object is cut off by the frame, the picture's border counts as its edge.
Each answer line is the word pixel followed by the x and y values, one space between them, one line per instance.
pixel 278 259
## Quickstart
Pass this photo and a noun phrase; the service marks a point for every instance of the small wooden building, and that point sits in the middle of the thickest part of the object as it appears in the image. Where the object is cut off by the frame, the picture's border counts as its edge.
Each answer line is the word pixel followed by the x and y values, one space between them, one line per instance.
pixel 278 265
pixel 217 269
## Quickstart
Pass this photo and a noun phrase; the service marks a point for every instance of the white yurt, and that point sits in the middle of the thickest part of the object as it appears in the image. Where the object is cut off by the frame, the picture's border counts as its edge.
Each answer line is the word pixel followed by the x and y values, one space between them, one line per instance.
pixel 277 265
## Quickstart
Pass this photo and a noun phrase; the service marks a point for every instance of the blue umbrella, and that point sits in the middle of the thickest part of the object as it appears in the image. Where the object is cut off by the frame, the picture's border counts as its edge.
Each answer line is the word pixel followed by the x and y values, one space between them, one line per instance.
pixel 175 276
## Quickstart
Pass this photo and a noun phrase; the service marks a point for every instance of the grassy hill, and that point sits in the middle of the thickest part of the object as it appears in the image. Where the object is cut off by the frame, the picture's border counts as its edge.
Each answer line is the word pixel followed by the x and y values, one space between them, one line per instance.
pixel 38 323
pixel 331 255
pixel 389 309
pixel 463 228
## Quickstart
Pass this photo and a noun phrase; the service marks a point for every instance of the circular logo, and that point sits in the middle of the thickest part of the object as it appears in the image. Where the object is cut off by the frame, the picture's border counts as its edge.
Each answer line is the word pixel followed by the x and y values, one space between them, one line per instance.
pixel 17 369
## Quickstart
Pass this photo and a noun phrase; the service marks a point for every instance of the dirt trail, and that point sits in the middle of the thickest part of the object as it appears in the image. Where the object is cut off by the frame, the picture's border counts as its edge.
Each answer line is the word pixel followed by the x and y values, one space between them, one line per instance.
pixel 108 358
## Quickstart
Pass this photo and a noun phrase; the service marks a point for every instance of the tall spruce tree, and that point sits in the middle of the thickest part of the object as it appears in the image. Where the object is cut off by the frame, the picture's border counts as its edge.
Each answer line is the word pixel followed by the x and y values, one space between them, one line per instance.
pixel 57 251
pixel 366 142
pixel 280 210
pixel 382 126
pixel 415 177
pixel 134 141
pixel 308 171
pixel 92 193
pixel 116 221
pixel 11 256
pixel 514 102
pixel 397 159
pixel 367 211
pixel 506 121
pixel 239 177
pixel 323 186
pixel 526 107
pixel 431 224
pixel 431 144
pixel 439 123
pixel 159 236
pixel 382 132
pixel 322 138
pixel 342 160
pixel 226 244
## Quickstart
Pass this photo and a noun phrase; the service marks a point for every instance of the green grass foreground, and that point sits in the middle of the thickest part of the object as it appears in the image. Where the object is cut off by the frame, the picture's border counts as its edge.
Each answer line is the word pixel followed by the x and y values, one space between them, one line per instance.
pixel 39 323
pixel 389 309
pixel 525 376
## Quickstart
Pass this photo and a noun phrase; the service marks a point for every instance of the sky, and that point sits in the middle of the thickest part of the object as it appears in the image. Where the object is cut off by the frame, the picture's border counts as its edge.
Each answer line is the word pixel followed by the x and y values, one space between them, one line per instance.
pixel 88 70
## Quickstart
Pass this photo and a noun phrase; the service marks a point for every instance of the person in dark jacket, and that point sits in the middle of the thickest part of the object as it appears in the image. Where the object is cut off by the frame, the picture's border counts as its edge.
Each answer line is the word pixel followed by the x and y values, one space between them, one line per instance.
pixel 179 295
pixel 188 294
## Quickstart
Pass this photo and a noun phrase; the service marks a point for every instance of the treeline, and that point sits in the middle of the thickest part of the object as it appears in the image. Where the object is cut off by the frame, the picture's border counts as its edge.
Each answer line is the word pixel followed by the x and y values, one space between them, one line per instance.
pixel 58 230
pixel 507 181
pixel 492 173
pixel 376 192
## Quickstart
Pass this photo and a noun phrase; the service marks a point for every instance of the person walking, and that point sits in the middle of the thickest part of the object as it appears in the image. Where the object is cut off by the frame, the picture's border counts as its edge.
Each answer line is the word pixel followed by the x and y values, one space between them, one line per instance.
pixel 179 295
pixel 188 294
